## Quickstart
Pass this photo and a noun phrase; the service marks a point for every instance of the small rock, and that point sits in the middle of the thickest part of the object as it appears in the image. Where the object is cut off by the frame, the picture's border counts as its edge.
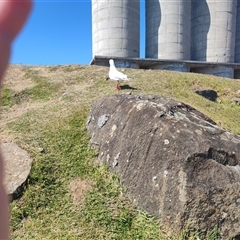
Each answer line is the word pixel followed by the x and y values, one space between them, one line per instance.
pixel 166 142
pixel 235 100
pixel 65 94
pixel 17 166
pixel 165 173
pixel 41 150
pixel 154 178
pixel 208 94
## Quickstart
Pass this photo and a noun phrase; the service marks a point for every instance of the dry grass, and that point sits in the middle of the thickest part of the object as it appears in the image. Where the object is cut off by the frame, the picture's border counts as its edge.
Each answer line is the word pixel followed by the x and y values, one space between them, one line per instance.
pixel 46 108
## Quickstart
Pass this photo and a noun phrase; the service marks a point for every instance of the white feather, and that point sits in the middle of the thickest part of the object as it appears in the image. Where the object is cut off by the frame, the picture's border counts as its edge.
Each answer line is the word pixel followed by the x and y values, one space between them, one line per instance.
pixel 114 74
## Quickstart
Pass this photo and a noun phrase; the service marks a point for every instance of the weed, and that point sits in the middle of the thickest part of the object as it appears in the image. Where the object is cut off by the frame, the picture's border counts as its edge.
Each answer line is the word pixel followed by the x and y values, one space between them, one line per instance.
pixel 71 68
pixel 54 68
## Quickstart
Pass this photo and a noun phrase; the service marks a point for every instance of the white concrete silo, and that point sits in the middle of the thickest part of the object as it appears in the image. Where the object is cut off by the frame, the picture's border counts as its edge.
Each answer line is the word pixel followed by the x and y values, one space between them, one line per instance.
pixel 168 31
pixel 116 28
pixel 213 34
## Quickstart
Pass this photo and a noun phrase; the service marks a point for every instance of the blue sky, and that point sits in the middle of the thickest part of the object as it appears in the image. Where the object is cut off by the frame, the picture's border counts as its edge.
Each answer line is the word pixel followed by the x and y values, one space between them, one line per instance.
pixel 59 32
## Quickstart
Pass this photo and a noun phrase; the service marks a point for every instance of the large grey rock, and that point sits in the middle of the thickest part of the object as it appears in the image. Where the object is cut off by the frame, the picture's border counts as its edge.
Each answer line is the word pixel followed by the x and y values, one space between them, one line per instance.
pixel 17 166
pixel 176 164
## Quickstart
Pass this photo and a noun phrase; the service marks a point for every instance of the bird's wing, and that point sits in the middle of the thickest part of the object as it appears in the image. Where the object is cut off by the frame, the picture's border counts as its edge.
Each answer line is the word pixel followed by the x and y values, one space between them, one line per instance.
pixel 116 75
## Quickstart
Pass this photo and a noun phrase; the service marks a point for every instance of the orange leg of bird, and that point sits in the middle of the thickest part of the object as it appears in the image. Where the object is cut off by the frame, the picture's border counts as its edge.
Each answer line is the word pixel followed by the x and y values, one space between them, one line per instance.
pixel 118 86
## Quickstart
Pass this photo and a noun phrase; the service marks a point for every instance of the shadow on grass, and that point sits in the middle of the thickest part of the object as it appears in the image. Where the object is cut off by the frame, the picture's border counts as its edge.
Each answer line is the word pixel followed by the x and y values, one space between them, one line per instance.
pixel 126 86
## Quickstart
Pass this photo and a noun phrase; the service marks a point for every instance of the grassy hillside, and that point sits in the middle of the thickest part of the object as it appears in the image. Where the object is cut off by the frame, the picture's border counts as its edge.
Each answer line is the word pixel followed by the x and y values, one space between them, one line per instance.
pixel 44 110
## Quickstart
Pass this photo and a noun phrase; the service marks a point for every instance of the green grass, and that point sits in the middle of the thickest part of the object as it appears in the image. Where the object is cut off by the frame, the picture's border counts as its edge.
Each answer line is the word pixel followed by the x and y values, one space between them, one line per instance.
pixel 7 97
pixel 58 127
pixel 42 90
pixel 106 213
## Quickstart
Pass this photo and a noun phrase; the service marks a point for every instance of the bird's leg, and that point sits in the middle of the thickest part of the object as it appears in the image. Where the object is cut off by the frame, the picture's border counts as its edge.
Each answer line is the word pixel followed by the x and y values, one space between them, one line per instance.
pixel 118 86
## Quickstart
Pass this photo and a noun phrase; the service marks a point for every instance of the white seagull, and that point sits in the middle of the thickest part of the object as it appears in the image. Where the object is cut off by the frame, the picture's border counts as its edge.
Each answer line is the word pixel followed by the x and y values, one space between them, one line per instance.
pixel 114 74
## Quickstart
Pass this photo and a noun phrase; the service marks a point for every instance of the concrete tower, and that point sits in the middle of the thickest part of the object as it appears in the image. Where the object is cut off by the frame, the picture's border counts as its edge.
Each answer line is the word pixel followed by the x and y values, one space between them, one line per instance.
pixel 213 34
pixel 116 28
pixel 237 42
pixel 168 30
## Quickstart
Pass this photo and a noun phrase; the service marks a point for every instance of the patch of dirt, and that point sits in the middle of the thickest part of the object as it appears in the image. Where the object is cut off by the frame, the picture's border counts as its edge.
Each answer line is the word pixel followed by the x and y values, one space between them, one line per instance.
pixel 79 188
pixel 15 78
pixel 12 114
